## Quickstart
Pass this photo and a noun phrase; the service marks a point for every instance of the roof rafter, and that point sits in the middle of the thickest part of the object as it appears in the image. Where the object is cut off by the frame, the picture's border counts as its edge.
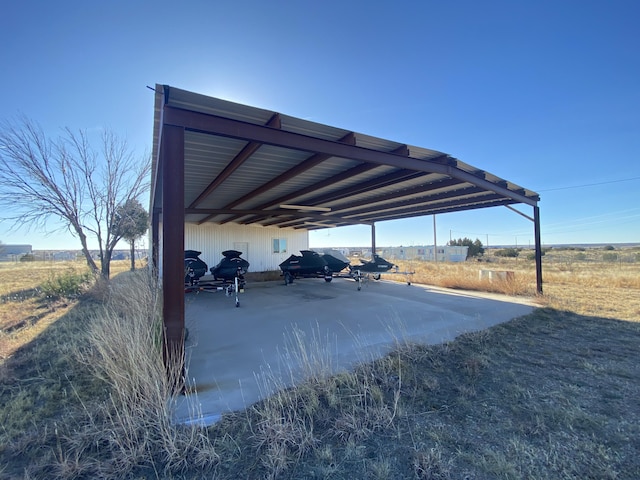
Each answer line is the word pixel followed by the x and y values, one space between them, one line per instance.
pixel 228 127
pixel 375 205
pixel 340 177
pixel 244 154
pixel 491 200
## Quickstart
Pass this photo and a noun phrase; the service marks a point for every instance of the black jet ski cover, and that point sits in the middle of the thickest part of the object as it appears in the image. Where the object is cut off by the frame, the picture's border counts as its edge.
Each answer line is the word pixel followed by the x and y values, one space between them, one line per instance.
pixel 194 267
pixel 378 264
pixel 335 260
pixel 230 266
pixel 309 263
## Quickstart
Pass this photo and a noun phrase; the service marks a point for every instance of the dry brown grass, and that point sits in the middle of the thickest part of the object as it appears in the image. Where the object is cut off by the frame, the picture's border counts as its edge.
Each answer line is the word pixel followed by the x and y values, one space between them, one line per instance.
pixel 574 281
pixel 25 310
pixel 550 395
pixel 90 397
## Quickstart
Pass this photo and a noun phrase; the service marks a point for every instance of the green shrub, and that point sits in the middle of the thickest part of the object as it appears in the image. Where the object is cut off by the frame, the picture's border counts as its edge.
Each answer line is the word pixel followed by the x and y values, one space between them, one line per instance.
pixel 69 284
pixel 532 255
pixel 508 252
pixel 609 257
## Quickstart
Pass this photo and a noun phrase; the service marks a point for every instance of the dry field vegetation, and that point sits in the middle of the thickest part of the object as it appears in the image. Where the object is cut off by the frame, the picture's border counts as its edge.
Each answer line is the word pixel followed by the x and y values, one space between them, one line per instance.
pixel 83 393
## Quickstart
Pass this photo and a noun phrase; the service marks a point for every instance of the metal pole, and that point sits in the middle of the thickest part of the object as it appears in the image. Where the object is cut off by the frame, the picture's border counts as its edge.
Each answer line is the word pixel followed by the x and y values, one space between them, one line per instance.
pixel 172 149
pixel 373 240
pixel 536 223
pixel 435 242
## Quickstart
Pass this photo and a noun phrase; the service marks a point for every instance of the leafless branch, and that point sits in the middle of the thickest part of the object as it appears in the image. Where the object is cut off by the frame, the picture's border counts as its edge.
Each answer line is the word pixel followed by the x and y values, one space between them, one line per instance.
pixel 68 181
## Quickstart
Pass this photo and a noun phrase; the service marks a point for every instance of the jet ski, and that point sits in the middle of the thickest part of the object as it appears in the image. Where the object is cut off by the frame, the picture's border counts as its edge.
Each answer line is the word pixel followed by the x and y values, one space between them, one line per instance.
pixel 376 266
pixel 336 261
pixel 194 267
pixel 230 267
pixel 310 264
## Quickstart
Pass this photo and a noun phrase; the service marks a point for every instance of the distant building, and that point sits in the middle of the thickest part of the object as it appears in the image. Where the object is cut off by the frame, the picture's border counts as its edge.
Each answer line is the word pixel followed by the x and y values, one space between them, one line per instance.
pixel 446 253
pixel 64 256
pixel 10 253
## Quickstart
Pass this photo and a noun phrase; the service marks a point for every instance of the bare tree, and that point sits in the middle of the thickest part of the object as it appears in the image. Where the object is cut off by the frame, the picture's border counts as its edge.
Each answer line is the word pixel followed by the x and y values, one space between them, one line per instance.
pixel 65 181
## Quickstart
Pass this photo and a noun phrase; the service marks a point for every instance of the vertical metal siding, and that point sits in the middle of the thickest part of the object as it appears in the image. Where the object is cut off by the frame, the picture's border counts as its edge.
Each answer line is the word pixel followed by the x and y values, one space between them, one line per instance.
pixel 213 239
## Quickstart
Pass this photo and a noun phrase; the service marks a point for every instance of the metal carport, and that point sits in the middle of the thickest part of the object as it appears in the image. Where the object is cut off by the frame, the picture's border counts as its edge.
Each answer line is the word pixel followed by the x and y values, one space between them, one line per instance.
pixel 218 161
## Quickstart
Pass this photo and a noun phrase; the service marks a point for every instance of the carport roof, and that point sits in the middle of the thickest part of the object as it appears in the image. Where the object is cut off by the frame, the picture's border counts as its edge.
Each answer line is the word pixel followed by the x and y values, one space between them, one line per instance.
pixel 257 167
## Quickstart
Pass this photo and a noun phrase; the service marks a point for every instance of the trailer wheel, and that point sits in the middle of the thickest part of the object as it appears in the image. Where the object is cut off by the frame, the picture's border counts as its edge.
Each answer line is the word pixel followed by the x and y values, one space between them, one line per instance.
pixel 376 276
pixel 328 279
pixel 288 278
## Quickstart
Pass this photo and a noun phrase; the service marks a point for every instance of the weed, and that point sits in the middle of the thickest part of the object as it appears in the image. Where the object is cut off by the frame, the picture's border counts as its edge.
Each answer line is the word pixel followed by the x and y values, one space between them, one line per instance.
pixel 550 395
pixel 69 284
pixel 428 464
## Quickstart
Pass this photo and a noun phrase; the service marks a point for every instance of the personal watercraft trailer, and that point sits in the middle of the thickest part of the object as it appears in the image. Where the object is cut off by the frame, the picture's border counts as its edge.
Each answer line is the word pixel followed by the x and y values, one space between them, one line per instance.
pixel 227 276
pixel 311 265
pixel 376 267
pixel 332 264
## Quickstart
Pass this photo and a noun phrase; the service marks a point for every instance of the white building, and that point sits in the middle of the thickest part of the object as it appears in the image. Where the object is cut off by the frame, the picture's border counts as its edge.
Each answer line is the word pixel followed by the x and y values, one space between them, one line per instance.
pixel 14 252
pixel 444 253
pixel 263 247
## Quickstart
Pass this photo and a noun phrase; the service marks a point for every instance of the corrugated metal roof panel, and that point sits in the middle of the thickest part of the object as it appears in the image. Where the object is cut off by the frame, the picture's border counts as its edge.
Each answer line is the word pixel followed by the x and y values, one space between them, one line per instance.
pixel 355 179
pixel 326 169
pixel 216 106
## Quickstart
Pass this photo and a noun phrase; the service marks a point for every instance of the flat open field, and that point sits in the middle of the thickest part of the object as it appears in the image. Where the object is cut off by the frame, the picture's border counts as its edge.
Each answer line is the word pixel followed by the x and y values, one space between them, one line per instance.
pixel 550 395
pixel 578 281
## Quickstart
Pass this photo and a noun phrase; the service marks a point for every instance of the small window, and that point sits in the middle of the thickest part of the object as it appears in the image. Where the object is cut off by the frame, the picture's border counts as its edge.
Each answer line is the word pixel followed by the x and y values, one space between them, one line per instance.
pixel 279 245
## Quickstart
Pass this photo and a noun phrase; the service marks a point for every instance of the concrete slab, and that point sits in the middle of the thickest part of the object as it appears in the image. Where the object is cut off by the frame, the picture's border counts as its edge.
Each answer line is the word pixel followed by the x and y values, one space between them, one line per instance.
pixel 236 356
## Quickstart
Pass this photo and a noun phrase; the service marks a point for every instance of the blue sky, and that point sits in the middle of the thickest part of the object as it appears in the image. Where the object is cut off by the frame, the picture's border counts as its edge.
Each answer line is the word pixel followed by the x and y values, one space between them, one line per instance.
pixel 543 93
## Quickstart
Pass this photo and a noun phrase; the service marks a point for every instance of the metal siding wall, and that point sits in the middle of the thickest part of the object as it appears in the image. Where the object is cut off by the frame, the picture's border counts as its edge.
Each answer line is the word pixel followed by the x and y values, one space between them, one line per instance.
pixel 213 239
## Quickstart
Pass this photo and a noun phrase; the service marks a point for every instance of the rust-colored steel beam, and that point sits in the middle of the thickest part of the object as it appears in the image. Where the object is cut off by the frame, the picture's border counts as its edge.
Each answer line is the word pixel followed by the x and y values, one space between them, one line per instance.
pixel 227 127
pixel 302 167
pixel 357 170
pixel 421 190
pixel 155 239
pixel 244 155
pixel 420 212
pixel 378 182
pixel 413 203
pixel 173 244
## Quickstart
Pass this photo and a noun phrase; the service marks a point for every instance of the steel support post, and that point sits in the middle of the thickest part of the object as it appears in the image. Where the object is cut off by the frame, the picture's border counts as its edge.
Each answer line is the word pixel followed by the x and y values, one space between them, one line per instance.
pixel 373 240
pixel 536 223
pixel 155 239
pixel 173 249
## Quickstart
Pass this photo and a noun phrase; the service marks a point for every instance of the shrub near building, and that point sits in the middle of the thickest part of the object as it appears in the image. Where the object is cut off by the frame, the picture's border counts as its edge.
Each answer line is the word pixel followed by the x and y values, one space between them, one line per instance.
pixel 476 248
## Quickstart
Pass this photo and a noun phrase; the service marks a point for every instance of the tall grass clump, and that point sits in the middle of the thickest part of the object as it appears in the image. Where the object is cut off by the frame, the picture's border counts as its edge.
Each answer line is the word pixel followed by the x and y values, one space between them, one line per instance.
pixel 133 428
pixel 292 424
